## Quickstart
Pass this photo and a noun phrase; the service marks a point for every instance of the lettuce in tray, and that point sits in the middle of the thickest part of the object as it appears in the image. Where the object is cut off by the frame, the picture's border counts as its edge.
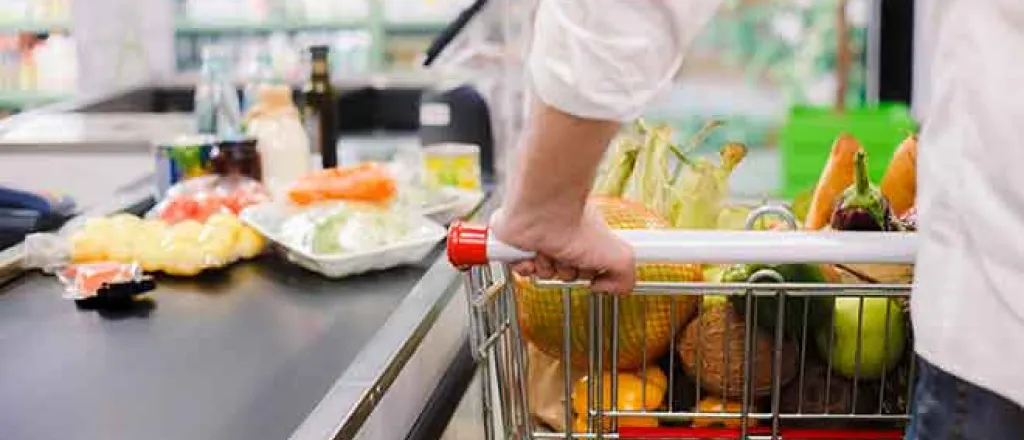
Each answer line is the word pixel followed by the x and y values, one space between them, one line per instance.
pixel 340 239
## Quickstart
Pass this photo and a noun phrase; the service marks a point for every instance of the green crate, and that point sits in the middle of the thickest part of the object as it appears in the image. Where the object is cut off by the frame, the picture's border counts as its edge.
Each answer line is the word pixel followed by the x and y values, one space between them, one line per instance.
pixel 807 135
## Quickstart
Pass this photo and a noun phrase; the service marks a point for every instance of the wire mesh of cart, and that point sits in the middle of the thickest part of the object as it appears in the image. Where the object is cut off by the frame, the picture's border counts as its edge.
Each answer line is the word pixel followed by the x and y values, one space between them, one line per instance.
pixel 759 358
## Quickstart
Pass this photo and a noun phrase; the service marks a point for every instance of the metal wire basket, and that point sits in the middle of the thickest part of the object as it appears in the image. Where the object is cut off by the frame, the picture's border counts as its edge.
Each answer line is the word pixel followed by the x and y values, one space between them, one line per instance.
pixel 776 381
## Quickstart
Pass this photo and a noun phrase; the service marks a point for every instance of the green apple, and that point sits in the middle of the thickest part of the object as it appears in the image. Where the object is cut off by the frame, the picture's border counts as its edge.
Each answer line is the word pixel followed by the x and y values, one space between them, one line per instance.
pixel 876 356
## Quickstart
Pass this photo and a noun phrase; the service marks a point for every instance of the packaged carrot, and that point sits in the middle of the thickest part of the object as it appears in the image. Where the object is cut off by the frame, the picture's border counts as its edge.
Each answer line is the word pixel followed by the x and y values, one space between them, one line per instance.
pixel 365 182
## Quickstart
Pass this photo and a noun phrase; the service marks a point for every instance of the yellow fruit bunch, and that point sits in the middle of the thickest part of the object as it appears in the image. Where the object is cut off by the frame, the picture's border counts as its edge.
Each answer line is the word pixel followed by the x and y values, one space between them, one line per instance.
pixel 183 249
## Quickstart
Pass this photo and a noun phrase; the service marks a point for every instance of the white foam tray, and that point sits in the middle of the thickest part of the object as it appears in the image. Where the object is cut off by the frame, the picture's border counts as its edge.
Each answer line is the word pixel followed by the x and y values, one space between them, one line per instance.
pixel 267 218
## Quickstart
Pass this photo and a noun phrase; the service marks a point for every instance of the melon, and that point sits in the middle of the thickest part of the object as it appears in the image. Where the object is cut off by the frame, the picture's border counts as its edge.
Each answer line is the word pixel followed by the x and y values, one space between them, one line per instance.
pixel 646 323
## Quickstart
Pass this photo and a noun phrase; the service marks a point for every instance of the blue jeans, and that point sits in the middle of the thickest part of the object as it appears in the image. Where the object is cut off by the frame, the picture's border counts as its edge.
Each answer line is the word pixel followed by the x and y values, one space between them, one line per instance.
pixel 948 408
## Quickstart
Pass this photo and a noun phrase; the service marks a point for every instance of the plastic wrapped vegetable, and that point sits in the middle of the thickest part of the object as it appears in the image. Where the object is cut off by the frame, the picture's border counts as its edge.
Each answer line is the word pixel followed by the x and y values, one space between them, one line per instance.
pixel 199 199
pixel 346 228
pixel 107 281
pixel 182 249
pixel 366 182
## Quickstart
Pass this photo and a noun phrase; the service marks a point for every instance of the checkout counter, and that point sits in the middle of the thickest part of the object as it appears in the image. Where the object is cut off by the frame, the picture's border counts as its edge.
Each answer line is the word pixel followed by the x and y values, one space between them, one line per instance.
pixel 260 350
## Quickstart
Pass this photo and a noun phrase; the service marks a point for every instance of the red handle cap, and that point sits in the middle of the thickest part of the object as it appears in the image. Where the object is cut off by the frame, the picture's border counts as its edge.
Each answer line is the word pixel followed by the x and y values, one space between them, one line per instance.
pixel 467 244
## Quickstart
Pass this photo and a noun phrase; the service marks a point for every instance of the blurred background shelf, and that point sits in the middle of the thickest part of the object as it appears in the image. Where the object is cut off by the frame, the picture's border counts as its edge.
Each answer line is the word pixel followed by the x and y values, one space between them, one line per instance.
pixel 217 27
pixel 16 100
pixel 35 27
pixel 414 27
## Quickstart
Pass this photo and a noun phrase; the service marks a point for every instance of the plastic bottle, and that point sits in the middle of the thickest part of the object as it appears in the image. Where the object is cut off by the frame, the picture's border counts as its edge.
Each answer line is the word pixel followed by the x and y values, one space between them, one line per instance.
pixel 260 72
pixel 282 141
pixel 217 110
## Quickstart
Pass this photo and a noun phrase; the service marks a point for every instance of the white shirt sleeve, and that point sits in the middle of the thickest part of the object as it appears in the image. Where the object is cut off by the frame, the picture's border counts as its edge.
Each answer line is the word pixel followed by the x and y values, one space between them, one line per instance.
pixel 607 59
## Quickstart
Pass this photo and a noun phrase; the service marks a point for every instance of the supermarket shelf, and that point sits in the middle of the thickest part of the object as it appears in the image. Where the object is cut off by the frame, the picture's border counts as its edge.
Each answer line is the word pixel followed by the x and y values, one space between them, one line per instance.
pixel 33 26
pixel 15 100
pixel 415 27
pixel 198 27
pixel 212 27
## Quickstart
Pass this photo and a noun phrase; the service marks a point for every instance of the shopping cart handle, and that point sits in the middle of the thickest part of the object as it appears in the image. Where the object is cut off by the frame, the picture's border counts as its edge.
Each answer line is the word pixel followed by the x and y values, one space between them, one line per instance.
pixel 473 245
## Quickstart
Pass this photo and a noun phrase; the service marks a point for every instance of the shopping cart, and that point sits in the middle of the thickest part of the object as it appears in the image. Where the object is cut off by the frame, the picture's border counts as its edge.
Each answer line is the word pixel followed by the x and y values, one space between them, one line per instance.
pixel 827 404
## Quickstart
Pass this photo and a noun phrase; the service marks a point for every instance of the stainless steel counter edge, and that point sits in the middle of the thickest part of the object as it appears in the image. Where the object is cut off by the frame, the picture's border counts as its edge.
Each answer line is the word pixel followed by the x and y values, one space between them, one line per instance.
pixel 353 397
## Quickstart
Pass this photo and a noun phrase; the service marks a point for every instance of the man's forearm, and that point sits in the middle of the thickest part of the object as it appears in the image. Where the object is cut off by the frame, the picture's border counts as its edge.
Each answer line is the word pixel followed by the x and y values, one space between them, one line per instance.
pixel 555 171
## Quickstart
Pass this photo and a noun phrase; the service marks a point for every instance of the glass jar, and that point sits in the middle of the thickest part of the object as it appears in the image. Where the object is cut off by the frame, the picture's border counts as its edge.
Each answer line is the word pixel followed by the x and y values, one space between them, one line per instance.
pixel 237 157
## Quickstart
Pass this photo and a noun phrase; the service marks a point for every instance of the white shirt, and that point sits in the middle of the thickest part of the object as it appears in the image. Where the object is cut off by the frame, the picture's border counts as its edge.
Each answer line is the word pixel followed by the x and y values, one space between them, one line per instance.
pixel 607 59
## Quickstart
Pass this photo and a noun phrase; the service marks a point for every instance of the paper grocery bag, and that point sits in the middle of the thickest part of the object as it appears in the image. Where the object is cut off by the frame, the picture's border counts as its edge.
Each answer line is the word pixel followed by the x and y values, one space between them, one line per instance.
pixel 546 388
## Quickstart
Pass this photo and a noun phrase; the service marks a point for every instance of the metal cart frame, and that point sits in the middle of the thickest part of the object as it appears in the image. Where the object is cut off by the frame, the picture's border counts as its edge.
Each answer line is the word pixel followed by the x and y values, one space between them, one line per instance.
pixel 498 344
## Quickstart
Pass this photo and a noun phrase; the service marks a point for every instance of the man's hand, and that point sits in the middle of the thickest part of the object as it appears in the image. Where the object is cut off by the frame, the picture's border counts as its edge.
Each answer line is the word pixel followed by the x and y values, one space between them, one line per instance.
pixel 588 250
pixel 545 209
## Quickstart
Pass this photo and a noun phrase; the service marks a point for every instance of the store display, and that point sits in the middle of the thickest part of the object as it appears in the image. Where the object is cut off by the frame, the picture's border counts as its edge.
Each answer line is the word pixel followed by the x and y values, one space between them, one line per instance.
pixel 226 10
pixel 420 11
pixel 899 184
pixel 260 11
pixel 283 145
pixel 35 11
pixel 30 64
pixel 343 239
pixel 365 182
pixel 862 207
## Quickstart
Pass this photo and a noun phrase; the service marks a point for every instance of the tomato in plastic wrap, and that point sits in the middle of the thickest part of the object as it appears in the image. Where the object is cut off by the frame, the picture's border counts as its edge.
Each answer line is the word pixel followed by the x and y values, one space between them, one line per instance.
pixel 178 209
pixel 207 204
pixel 242 198
pixel 199 199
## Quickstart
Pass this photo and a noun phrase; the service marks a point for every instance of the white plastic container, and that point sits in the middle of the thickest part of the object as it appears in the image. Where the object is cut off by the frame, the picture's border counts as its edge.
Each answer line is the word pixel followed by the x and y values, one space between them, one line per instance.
pixel 268 219
pixel 282 141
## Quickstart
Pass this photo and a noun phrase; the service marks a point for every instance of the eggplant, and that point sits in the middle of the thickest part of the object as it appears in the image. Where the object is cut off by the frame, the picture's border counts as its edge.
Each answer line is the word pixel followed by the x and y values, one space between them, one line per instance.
pixel 862 207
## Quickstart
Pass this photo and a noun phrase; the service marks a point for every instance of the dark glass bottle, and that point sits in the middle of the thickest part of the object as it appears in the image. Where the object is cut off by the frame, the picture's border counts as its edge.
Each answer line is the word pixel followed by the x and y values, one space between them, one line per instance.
pixel 237 156
pixel 319 112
